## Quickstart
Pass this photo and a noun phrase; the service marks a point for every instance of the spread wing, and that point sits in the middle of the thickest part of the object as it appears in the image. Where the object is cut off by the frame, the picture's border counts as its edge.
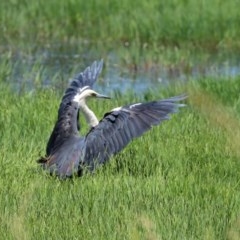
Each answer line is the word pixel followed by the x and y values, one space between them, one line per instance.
pixel 84 79
pixel 120 126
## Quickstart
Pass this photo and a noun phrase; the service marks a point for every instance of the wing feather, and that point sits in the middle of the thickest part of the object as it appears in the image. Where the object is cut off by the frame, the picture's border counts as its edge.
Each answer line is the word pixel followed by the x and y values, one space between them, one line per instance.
pixel 86 78
pixel 119 127
pixel 83 79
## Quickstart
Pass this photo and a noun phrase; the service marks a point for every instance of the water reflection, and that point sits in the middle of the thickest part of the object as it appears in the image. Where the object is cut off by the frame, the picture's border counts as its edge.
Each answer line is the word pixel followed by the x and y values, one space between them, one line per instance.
pixel 46 68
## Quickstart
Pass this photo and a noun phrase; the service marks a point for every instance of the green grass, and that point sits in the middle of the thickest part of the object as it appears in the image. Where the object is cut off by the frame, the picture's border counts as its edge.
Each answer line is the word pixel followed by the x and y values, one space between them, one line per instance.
pixel 208 24
pixel 175 37
pixel 178 181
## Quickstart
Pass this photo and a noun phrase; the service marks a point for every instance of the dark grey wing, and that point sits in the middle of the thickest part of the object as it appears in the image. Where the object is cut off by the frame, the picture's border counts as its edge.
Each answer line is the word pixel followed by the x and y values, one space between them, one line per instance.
pixel 119 127
pixel 84 79
pixel 67 160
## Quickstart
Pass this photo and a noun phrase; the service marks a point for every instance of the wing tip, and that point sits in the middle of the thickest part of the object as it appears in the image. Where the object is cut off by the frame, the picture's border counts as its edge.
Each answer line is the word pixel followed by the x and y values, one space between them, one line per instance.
pixel 178 98
pixel 95 68
pixel 85 78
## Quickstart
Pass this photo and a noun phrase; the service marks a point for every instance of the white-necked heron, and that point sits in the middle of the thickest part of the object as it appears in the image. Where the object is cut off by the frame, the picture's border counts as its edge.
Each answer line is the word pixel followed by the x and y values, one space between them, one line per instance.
pixel 67 153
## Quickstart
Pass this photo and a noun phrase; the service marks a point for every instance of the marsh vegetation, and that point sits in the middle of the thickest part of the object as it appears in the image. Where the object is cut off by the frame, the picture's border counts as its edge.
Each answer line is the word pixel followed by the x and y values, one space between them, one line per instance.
pixel 178 181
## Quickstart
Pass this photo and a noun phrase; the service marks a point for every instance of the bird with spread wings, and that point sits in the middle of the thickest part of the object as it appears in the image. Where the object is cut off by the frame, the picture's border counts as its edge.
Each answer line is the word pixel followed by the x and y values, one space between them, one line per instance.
pixel 68 153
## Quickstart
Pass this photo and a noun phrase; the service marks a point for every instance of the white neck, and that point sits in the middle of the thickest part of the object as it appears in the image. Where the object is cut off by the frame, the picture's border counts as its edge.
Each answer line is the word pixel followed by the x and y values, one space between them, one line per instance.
pixel 88 114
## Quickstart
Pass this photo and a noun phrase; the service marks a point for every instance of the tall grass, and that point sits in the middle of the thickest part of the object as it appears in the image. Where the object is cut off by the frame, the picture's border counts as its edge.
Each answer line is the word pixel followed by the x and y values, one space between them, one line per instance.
pixel 209 24
pixel 178 181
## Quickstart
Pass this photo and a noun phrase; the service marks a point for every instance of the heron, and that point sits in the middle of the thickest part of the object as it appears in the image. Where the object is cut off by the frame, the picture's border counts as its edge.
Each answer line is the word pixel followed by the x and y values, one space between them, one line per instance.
pixel 68 153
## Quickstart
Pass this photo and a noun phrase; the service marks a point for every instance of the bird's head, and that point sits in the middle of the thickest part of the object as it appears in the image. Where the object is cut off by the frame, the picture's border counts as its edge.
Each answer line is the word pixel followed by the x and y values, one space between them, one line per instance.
pixel 86 93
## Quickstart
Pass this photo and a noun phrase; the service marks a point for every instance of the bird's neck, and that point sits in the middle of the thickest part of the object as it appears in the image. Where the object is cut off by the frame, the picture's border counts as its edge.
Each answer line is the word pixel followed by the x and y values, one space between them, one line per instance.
pixel 88 114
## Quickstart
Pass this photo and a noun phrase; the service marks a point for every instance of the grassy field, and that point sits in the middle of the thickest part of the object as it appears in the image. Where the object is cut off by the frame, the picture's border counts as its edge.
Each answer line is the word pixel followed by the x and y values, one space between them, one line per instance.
pixel 137 37
pixel 206 24
pixel 178 181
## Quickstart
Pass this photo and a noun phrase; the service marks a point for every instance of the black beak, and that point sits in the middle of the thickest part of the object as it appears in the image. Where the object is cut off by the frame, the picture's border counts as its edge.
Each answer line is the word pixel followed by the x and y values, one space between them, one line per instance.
pixel 102 96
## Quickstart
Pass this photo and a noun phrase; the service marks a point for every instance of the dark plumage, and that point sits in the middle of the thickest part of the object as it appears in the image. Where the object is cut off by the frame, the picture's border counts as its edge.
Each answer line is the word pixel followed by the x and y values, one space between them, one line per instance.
pixel 67 153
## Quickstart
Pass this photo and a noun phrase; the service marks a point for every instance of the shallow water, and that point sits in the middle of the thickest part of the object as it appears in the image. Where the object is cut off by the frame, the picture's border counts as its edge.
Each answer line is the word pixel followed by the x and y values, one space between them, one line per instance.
pixel 46 68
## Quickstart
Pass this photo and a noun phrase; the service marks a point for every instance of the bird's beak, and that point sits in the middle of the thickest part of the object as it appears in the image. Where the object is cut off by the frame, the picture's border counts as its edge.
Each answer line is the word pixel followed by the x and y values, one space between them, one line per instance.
pixel 102 96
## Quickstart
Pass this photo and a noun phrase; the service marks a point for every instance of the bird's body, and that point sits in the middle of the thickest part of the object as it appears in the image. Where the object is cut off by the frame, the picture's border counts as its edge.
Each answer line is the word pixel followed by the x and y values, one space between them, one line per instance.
pixel 67 153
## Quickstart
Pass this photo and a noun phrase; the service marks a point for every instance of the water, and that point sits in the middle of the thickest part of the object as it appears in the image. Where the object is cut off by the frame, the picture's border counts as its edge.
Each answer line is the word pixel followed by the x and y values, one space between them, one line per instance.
pixel 54 69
